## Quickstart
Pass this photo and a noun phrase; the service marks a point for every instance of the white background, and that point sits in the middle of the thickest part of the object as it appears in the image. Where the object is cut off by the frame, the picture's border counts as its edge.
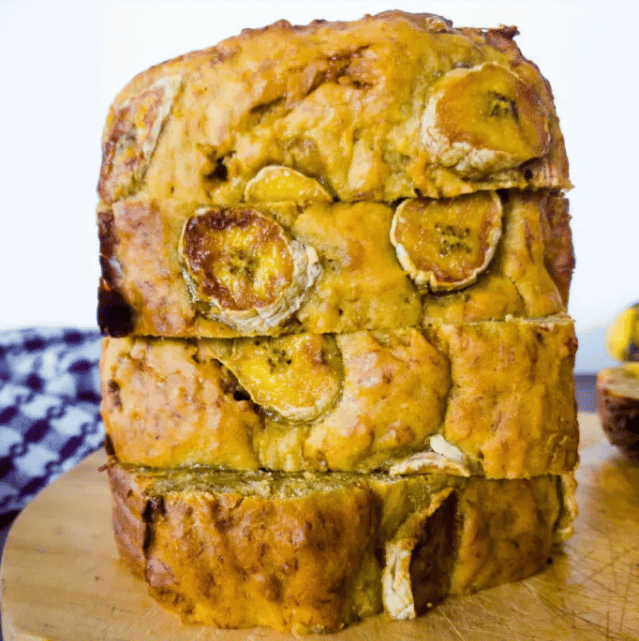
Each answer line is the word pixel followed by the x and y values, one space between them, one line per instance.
pixel 63 62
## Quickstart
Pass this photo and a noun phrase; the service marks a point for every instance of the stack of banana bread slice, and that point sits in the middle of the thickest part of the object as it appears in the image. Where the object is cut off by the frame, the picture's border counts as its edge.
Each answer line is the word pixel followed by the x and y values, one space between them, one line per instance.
pixel 337 372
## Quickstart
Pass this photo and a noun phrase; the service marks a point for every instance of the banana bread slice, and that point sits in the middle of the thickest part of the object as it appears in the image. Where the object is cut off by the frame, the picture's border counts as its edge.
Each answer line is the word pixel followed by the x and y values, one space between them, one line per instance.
pixel 269 268
pixel 490 398
pixel 315 552
pixel 390 106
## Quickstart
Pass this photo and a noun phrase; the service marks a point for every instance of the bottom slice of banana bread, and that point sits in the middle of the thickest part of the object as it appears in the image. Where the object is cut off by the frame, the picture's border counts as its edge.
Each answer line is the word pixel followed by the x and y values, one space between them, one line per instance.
pixel 315 552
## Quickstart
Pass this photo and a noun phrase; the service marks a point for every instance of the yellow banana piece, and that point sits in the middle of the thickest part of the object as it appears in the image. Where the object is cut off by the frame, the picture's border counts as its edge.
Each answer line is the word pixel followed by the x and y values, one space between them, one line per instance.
pixel 276 183
pixel 445 244
pixel 298 376
pixel 245 266
pixel 622 339
pixel 484 119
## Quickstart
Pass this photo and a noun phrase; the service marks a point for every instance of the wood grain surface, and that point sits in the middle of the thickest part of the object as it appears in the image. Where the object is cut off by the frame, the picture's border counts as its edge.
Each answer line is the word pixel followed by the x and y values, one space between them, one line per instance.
pixel 61 580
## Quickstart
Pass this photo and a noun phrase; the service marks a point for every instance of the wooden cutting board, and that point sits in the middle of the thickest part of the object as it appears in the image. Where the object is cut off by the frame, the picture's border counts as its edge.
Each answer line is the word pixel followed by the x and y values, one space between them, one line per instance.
pixel 61 580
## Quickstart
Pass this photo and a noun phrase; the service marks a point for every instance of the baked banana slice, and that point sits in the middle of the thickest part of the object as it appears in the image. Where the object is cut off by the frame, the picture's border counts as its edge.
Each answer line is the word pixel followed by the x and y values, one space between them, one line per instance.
pixel 298 376
pixel 622 338
pixel 276 183
pixel 484 119
pixel 444 244
pixel 131 134
pixel 244 267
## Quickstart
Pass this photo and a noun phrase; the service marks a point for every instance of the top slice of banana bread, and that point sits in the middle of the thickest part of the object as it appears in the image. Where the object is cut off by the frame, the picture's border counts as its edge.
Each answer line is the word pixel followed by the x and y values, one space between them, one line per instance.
pixel 390 106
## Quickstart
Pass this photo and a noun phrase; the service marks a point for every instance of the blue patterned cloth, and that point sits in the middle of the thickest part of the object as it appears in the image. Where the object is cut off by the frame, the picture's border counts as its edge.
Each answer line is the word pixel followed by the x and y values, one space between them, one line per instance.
pixel 49 408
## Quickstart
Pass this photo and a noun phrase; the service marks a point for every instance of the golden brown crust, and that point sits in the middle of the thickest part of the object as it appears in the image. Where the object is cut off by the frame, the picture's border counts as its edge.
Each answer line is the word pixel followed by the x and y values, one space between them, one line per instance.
pixel 316 553
pixel 342 102
pixel 618 407
pixel 488 529
pixel 130 137
pixel 500 394
pixel 355 280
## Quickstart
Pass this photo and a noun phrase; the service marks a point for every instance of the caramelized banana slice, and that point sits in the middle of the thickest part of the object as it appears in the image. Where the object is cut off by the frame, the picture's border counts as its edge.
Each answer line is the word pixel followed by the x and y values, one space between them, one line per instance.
pixel 245 268
pixel 276 183
pixel 485 119
pixel 297 376
pixel 444 244
pixel 131 135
